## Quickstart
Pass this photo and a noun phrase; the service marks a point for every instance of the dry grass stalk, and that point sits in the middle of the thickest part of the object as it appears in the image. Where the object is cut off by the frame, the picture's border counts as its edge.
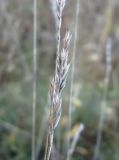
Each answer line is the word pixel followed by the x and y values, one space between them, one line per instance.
pixel 72 74
pixel 104 104
pixel 57 86
pixel 34 82
pixel 59 80
pixel 75 140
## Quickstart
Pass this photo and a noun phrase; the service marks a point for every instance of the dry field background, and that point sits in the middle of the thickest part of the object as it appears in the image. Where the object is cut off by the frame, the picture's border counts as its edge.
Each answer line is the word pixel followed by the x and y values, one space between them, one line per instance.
pixel 97 23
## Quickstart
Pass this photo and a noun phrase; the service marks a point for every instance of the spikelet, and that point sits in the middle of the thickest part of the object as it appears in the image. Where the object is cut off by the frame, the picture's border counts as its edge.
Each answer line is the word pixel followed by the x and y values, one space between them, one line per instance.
pixel 60 76
pixel 59 82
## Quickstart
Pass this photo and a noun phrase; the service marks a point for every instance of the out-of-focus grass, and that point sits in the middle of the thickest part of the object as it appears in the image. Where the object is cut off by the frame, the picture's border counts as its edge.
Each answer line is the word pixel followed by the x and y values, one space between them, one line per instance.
pixel 89 113
pixel 16 118
pixel 16 109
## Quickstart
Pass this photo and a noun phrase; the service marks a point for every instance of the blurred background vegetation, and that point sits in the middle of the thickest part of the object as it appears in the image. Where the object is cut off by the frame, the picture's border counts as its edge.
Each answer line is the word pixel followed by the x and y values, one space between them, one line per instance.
pixel 98 21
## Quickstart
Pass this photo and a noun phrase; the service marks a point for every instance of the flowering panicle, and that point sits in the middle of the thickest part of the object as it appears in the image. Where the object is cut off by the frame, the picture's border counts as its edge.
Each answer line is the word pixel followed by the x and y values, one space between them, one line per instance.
pixel 59 81
pixel 60 76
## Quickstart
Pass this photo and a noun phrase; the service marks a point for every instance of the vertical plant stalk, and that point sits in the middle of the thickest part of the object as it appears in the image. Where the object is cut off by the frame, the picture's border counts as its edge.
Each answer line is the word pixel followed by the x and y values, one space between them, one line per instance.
pixel 75 140
pixel 107 26
pixel 59 80
pixel 56 88
pixel 103 107
pixel 54 10
pixel 57 14
pixel 72 74
pixel 34 78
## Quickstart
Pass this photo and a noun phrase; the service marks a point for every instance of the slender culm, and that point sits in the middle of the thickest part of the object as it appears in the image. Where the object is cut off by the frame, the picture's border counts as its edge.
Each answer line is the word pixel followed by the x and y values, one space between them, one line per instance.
pixel 103 107
pixel 75 140
pixel 34 79
pixel 72 74
pixel 59 80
